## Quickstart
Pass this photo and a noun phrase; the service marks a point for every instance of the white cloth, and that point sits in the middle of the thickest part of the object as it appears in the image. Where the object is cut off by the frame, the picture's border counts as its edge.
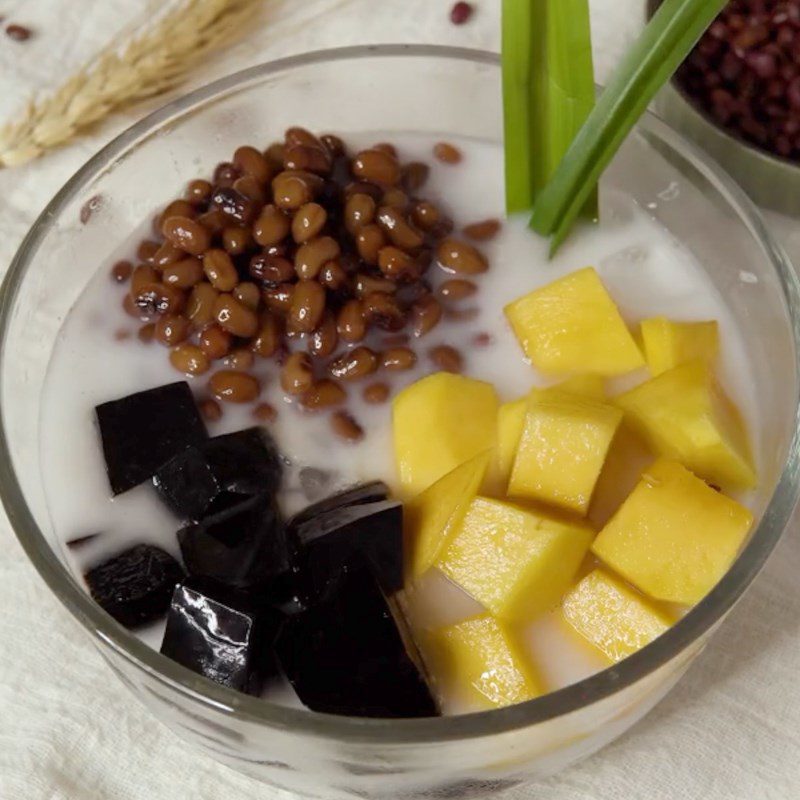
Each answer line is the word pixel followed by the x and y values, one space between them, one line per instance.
pixel 68 728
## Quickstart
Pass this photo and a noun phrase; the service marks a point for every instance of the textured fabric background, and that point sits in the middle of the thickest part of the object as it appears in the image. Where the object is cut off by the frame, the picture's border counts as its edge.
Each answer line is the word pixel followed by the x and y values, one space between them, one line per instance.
pixel 70 731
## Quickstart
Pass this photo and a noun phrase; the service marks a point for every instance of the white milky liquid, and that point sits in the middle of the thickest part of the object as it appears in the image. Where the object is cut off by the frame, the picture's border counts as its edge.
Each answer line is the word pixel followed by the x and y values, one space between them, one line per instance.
pixel 646 271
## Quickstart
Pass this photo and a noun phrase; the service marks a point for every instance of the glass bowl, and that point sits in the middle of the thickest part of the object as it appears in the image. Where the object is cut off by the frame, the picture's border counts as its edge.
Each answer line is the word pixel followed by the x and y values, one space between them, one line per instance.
pixel 444 92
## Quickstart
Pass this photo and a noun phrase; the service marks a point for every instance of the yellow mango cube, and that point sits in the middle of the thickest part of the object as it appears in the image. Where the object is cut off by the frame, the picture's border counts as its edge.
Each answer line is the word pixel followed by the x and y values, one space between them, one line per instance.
pixel 573 325
pixel 481 659
pixel 613 617
pixel 440 422
pixel 675 536
pixel 562 449
pixel 432 517
pixel 683 414
pixel 515 561
pixel 511 419
pixel 668 344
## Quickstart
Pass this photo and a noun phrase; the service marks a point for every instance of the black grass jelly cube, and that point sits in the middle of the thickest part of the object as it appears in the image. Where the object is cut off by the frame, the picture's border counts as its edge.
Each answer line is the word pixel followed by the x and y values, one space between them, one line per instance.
pixel 209 475
pixel 364 493
pixel 348 655
pixel 244 545
pixel 136 585
pixel 143 431
pixel 222 634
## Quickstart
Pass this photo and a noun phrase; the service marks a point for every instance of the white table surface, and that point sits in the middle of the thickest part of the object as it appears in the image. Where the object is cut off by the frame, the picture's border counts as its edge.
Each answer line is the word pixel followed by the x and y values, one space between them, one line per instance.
pixel 70 731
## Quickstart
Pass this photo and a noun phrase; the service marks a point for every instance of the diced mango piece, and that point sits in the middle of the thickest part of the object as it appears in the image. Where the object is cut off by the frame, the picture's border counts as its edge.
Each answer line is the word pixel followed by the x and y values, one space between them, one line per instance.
pixel 434 515
pixel 482 659
pixel 684 414
pixel 562 450
pixel 573 325
pixel 613 617
pixel 511 419
pixel 591 386
pixel 675 536
pixel 668 344
pixel 516 562
pixel 440 422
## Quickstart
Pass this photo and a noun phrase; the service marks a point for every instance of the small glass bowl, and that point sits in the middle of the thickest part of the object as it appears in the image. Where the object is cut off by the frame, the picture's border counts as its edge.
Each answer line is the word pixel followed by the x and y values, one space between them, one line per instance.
pixel 443 92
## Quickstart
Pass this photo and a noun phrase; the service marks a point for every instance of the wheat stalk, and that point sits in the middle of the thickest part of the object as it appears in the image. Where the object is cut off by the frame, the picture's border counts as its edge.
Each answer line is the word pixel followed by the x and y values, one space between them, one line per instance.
pixel 148 65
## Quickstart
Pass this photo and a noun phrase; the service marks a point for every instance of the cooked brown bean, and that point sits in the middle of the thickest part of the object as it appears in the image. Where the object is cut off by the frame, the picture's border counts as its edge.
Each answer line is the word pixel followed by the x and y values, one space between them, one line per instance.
pixel 211 410
pixel 322 342
pixel 219 270
pixel 426 214
pixel 225 174
pixel 333 144
pixel 398 359
pixel 447 153
pixel 369 240
pixel 346 427
pixel 369 283
pixel 308 306
pixel 383 311
pixel 198 191
pixel 274 155
pixel 240 359
pixel 233 386
pixel 271 226
pixel 248 294
pixel 397 264
pixel 376 166
pixel 214 221
pixel 132 310
pixel 482 339
pixel 396 340
pixel 146 250
pixel 238 208
pixel 250 161
pixel 297 374
pixel 271 270
pixel 396 198
pixel 187 234
pixel 457 289
pixel 308 221
pixel 446 358
pixel 178 208
pixel 375 393
pixel 363 187
pixel 268 339
pixel 236 239
pixel 215 342
pixel 184 274
pixel 308 159
pixel 460 257
pixel 120 335
pixel 351 324
pixel 234 317
pixel 121 271
pixel 147 333
pixel 311 256
pixel 279 298
pixel 354 364
pixel 359 210
pixel 398 229
pixel 300 136
pixel 332 275
pixel 265 412
pixel 171 329
pixel 425 315
pixel 249 187
pixel 156 298
pixel 482 231
pixel 200 307
pixel 387 148
pixel 189 359
pixel 294 188
pixel 461 314
pixel 323 394
pixel 414 176
pixel 167 254
pixel 143 275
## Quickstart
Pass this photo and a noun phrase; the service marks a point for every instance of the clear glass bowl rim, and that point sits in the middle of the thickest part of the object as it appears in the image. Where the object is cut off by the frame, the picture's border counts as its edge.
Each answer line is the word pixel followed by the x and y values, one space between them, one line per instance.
pixel 107 633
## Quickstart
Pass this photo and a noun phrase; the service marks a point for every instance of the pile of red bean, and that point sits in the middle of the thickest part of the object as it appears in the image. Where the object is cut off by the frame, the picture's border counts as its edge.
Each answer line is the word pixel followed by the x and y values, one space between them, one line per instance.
pixel 745 72
pixel 306 255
